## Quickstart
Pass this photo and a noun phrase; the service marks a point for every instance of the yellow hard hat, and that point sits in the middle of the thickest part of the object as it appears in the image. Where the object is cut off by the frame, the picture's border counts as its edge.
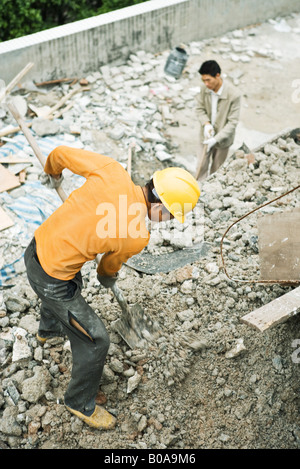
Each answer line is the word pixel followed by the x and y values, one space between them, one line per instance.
pixel 177 189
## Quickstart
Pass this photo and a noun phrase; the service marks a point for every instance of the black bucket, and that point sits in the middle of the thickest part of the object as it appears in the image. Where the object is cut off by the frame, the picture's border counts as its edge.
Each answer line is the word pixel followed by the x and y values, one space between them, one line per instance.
pixel 176 62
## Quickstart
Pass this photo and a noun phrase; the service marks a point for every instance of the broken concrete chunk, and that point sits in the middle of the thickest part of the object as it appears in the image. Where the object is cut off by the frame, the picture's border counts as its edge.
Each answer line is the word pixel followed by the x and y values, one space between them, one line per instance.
pixel 187 315
pixel 20 103
pixel 133 382
pixel 21 349
pixel 43 127
pixel 163 155
pixel 116 133
pixel 237 350
pixel 8 424
pixel 35 387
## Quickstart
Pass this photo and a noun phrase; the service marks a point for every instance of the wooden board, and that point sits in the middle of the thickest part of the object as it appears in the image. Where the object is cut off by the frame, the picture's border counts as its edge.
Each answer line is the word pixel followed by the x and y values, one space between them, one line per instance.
pixel 5 220
pixel 7 180
pixel 275 312
pixel 14 160
pixel 279 245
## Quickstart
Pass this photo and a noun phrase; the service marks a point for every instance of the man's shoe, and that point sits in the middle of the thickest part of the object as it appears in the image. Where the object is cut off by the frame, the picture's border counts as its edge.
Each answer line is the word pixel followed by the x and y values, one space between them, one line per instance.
pixel 100 418
pixel 42 340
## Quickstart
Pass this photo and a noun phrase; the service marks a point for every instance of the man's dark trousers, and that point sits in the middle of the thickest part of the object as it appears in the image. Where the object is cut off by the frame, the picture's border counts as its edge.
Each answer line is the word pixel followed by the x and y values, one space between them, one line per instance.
pixel 61 301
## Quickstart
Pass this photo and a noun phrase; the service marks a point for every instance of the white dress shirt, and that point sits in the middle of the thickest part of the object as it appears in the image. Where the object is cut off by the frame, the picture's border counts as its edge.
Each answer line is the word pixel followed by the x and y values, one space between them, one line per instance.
pixel 214 103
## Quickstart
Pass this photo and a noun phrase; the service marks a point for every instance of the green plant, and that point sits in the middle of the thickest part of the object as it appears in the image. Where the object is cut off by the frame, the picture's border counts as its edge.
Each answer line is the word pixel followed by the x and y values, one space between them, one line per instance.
pixel 21 17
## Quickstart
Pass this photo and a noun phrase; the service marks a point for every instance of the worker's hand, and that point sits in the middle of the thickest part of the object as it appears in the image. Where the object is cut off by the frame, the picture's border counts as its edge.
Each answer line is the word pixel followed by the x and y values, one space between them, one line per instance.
pixel 209 131
pixel 106 281
pixel 51 181
pixel 210 143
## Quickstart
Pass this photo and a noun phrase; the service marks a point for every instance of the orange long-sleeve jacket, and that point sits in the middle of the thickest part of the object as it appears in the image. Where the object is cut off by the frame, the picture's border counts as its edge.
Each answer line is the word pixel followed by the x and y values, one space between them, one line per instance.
pixel 106 215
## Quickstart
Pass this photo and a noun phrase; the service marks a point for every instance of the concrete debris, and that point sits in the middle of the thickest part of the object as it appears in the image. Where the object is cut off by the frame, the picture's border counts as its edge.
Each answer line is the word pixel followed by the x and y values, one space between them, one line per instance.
pixel 35 387
pixel 195 385
pixel 133 382
pixel 43 127
pixel 21 349
pixel 237 350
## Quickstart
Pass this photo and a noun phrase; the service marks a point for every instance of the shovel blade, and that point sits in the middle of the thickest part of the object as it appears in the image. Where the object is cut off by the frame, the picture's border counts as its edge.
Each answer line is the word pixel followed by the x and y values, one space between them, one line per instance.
pixel 122 327
pixel 136 328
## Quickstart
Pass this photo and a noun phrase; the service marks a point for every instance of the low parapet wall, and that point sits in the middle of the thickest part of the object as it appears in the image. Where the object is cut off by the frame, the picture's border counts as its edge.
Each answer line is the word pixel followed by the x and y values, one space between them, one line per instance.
pixel 77 48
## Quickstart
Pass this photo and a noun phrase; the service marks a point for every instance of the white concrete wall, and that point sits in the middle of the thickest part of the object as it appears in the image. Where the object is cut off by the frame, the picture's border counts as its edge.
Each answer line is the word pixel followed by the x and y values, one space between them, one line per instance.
pixel 156 25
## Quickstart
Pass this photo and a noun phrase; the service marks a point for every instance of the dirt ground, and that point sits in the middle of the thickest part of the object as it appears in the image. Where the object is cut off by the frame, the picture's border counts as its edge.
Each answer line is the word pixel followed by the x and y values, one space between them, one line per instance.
pixel 269 86
pixel 195 389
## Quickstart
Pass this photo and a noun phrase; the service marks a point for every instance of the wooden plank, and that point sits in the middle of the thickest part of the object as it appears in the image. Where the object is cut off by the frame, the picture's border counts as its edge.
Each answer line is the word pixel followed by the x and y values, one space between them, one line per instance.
pixel 275 312
pixel 15 81
pixel 7 180
pixel 5 220
pixel 14 160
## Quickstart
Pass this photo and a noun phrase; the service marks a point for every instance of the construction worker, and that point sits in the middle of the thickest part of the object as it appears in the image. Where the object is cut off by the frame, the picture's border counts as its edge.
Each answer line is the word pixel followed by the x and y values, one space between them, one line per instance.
pixel 218 109
pixel 106 215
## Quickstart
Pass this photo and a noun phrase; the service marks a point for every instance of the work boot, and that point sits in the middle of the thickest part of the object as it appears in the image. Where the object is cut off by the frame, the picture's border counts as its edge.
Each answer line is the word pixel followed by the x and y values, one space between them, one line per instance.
pixel 100 418
pixel 43 340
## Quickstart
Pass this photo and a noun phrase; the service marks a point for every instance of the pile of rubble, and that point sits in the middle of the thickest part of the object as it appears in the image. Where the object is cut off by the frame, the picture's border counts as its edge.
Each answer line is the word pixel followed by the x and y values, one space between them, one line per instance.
pixel 198 309
pixel 208 381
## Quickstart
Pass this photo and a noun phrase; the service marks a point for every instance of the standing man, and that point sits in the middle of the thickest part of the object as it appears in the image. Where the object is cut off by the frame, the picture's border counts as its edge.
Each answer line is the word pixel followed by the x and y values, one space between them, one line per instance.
pixel 218 109
pixel 105 215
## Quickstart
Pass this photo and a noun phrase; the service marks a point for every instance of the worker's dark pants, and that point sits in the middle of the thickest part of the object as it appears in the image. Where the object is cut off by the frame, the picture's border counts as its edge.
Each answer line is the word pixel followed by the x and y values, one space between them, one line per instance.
pixel 62 301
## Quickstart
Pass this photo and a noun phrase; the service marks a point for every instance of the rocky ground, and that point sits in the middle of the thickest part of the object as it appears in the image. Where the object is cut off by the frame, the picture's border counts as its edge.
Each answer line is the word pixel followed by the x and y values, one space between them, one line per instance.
pixel 208 381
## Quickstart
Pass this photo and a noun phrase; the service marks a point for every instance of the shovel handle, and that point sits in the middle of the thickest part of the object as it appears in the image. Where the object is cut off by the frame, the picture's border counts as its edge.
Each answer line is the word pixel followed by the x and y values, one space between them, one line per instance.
pixel 32 142
pixel 120 299
pixel 117 292
pixel 200 162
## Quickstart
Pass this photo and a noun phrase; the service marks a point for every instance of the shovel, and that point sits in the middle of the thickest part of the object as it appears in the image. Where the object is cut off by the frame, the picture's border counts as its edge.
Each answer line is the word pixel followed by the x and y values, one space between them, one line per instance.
pixel 201 160
pixel 135 328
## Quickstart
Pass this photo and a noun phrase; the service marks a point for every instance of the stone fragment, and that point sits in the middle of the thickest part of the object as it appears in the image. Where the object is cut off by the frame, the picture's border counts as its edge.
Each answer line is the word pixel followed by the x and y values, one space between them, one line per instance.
pixel 198 344
pixel 129 372
pixel 108 375
pixel 133 382
pixel 142 423
pixel 13 393
pixel 2 306
pixel 212 268
pixel 8 422
pixel 116 133
pixel 163 155
pixel 43 127
pixel 35 387
pixel 21 349
pixel 29 323
pixel 184 273
pixel 116 365
pixel 182 239
pixel 237 350
pixel 16 304
pixel 187 315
